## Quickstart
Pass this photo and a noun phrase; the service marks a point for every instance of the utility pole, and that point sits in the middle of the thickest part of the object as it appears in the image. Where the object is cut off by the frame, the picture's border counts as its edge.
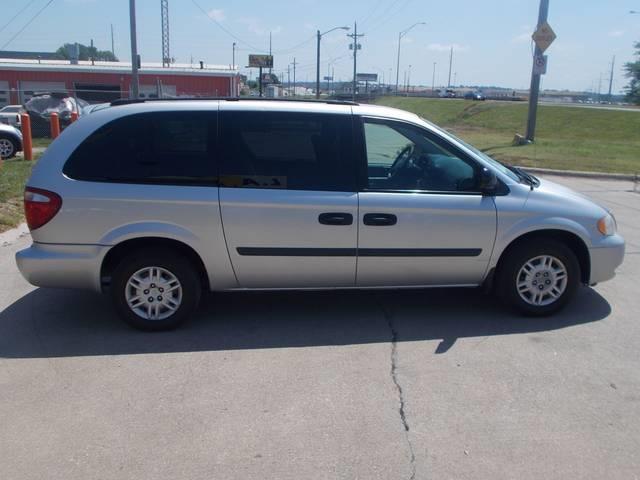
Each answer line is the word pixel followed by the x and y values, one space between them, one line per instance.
pixel 289 78
pixel 294 75
pixel 409 80
pixel 113 50
pixel 270 54
pixel 135 83
pixel 534 90
pixel 233 55
pixel 450 65
pixel 613 62
pixel 355 46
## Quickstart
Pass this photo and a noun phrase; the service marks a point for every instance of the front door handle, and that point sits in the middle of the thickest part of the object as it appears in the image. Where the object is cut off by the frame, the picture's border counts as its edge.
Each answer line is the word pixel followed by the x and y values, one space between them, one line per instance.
pixel 335 218
pixel 380 219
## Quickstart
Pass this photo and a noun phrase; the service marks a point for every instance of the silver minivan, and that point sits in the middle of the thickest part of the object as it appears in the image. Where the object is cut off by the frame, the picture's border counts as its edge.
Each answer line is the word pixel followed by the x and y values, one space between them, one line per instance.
pixel 156 201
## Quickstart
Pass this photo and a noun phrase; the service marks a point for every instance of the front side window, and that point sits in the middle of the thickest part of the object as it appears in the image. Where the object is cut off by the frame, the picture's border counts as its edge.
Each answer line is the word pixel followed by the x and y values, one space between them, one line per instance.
pixel 403 157
pixel 158 147
pixel 286 150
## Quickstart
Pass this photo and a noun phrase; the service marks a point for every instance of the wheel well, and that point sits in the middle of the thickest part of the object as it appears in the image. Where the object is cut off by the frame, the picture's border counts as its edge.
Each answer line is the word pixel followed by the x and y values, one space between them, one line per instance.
pixel 571 240
pixel 118 252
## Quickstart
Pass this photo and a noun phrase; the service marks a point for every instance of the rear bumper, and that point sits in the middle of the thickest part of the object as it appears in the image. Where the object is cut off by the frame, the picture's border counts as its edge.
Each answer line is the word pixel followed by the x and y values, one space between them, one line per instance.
pixel 65 266
pixel 605 259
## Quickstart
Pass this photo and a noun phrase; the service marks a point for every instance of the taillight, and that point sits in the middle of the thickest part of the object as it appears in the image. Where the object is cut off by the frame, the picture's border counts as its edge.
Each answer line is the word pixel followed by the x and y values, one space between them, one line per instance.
pixel 40 206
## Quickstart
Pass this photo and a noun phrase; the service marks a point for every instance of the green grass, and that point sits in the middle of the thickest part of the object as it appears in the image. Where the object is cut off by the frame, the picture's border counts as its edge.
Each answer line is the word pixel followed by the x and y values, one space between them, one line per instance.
pixel 569 138
pixel 13 176
pixel 42 142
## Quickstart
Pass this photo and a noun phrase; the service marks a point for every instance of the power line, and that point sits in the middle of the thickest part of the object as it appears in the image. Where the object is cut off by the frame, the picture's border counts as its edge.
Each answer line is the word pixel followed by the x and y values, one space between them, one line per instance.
pixel 16 15
pixel 27 24
pixel 224 29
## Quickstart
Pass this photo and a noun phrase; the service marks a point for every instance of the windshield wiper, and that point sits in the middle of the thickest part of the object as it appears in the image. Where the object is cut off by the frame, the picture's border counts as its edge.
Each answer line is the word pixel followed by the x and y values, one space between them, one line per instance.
pixel 524 176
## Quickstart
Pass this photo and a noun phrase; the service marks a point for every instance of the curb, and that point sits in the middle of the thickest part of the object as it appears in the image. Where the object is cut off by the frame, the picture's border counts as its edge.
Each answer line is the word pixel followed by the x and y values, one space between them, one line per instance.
pixel 595 175
pixel 11 236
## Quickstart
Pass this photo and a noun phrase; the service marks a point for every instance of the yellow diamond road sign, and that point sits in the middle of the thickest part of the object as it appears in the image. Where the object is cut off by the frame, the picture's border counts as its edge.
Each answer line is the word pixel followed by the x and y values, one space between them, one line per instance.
pixel 544 36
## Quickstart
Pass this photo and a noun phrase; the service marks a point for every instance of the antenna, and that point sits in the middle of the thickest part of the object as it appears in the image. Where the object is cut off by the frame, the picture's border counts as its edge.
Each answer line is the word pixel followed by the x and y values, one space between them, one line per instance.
pixel 164 16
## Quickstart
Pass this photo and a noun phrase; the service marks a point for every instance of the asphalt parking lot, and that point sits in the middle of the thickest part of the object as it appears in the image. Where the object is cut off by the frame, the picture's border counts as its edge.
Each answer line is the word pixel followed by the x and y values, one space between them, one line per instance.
pixel 442 384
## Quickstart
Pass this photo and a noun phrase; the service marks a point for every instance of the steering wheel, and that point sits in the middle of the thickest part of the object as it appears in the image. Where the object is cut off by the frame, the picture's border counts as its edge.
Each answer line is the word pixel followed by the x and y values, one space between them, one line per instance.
pixel 401 160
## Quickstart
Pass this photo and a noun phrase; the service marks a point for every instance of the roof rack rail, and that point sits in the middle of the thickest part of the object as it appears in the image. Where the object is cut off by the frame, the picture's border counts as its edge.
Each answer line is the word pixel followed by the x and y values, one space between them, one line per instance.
pixel 129 101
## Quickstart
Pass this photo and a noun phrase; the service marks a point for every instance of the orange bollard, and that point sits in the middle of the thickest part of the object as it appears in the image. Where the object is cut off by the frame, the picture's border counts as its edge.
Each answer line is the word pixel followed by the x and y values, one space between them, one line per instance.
pixel 74 116
pixel 55 125
pixel 27 140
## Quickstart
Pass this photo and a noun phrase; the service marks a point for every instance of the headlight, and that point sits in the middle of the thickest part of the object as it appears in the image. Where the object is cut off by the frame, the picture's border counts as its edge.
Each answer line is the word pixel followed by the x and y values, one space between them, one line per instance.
pixel 607 225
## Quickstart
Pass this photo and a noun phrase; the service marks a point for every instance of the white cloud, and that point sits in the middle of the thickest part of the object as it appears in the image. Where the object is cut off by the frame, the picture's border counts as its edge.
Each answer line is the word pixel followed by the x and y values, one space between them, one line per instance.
pixel 255 26
pixel 439 47
pixel 217 14
pixel 522 38
pixel 616 33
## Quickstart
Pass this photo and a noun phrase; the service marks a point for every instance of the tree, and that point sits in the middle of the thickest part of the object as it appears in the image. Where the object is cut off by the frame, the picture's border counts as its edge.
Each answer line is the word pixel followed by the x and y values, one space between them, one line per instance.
pixel 633 72
pixel 87 53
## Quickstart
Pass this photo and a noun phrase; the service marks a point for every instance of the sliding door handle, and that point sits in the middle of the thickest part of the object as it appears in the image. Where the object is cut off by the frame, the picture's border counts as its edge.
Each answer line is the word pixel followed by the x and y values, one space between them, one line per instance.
pixel 380 219
pixel 335 218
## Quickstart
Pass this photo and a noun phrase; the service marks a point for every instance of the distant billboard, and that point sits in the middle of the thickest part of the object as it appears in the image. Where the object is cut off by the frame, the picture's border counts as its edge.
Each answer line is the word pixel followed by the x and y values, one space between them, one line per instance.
pixel 367 77
pixel 261 61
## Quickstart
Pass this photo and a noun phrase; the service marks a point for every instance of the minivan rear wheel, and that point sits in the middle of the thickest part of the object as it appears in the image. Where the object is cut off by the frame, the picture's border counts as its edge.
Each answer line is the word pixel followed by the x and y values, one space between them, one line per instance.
pixel 155 290
pixel 539 277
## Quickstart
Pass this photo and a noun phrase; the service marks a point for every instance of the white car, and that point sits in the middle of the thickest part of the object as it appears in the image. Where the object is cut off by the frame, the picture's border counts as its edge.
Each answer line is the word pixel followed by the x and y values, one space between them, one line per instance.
pixel 10 115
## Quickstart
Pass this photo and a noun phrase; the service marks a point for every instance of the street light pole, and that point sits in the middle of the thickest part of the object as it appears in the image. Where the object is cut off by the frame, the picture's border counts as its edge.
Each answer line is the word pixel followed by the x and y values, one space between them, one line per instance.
pixel 319 37
pixel 400 35
pixel 135 83
pixel 433 79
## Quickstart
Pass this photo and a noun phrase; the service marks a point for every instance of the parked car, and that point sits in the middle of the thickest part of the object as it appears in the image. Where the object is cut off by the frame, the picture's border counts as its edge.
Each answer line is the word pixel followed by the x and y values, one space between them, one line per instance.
pixel 475 95
pixel 10 141
pixel 10 115
pixel 158 201
pixel 447 93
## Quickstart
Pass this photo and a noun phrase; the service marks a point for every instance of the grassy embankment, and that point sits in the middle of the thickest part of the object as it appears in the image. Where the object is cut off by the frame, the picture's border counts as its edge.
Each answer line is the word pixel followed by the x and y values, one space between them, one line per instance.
pixel 588 139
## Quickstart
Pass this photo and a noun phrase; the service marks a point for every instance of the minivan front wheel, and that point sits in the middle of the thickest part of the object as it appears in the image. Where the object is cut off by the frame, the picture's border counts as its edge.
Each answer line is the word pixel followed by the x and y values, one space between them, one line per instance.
pixel 539 277
pixel 155 290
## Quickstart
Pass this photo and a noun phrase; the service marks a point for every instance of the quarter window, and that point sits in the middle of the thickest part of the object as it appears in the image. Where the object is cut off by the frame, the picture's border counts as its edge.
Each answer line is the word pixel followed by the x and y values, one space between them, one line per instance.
pixel 159 147
pixel 281 150
pixel 402 157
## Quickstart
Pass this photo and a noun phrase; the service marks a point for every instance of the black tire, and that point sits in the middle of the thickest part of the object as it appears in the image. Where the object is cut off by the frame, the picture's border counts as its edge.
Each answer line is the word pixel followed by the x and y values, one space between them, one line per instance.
pixel 9 143
pixel 510 275
pixel 165 260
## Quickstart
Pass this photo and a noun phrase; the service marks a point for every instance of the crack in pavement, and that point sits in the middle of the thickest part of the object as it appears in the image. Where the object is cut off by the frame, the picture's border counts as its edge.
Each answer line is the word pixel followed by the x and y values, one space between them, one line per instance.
pixel 394 377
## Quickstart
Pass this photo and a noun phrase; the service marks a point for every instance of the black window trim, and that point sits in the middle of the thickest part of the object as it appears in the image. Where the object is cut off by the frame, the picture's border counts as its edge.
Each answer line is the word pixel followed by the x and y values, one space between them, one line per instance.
pixel 363 179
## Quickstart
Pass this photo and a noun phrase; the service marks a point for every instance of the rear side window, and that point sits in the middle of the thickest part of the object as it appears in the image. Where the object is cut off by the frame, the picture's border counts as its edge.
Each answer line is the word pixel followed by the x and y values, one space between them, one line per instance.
pixel 161 147
pixel 283 150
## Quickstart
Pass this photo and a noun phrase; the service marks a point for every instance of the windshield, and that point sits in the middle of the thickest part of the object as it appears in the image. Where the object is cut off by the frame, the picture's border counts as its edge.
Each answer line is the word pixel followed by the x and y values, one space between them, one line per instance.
pixel 494 163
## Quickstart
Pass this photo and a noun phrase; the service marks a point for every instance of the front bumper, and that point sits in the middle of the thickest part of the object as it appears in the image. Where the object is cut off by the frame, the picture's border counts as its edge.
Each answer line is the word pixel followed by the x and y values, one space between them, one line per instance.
pixel 605 259
pixel 65 266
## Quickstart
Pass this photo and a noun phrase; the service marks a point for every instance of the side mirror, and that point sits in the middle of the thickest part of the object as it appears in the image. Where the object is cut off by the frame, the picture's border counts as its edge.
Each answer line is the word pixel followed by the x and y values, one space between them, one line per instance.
pixel 488 182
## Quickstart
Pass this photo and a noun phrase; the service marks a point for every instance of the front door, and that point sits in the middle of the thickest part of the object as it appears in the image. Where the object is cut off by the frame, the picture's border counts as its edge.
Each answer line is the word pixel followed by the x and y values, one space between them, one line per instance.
pixel 422 219
pixel 287 197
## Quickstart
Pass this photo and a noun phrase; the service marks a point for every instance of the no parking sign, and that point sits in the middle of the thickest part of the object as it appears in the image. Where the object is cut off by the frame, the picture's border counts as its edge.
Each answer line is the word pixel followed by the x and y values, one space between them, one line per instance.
pixel 539 64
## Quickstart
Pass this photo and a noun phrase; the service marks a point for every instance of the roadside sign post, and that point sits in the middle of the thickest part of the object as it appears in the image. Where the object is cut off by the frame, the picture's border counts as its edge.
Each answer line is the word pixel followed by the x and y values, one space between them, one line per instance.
pixel 543 37
pixel 260 62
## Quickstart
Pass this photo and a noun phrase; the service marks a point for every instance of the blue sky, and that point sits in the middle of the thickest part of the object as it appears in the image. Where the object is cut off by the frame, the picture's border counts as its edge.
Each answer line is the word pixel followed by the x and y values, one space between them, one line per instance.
pixel 491 38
